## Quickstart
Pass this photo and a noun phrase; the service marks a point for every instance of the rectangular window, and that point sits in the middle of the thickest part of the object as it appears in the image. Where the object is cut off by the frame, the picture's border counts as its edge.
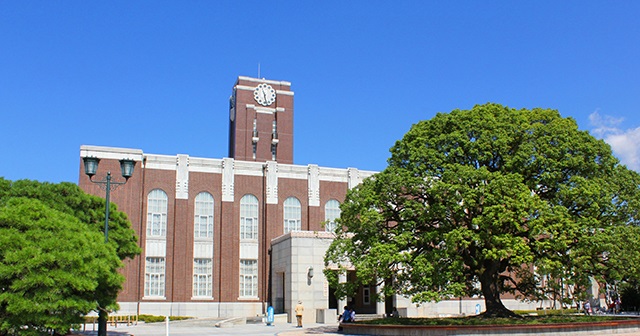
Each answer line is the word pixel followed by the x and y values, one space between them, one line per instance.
pixel 154 277
pixel 204 226
pixel 255 149
pixel 248 226
pixel 273 151
pixel 255 128
pixel 248 278
pixel 291 225
pixel 157 227
pixel 202 277
pixel 366 295
pixel 274 131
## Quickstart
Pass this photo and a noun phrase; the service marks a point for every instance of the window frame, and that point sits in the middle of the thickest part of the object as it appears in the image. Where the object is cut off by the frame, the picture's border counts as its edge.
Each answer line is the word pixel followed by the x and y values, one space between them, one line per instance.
pixel 204 207
pixel 202 278
pixel 292 215
pixel 330 215
pixel 155 277
pixel 248 284
pixel 249 218
pixel 157 208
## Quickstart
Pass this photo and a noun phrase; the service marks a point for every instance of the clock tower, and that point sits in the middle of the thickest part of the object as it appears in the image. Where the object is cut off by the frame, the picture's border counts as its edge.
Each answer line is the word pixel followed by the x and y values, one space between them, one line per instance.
pixel 261 120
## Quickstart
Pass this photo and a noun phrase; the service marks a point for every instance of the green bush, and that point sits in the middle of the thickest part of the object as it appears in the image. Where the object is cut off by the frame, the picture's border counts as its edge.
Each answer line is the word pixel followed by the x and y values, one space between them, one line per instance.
pixel 630 296
pixel 547 311
pixel 478 320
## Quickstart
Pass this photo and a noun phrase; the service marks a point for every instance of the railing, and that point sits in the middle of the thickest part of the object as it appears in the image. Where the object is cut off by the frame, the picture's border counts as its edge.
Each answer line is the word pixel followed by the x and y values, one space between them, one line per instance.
pixel 112 320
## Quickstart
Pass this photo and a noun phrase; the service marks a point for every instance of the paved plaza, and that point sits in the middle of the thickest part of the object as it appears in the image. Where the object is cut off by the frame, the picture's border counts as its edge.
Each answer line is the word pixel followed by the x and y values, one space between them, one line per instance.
pixel 207 327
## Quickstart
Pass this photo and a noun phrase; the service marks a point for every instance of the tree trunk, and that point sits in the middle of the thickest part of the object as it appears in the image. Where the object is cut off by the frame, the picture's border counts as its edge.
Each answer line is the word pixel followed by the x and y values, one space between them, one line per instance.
pixel 102 322
pixel 491 292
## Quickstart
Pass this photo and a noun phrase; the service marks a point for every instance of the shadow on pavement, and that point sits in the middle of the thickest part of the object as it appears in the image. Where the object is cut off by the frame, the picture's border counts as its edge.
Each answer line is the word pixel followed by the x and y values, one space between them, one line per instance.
pixel 322 330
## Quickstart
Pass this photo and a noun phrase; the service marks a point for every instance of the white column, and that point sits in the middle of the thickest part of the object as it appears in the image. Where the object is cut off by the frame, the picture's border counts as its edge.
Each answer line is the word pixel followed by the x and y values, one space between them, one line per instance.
pixel 272 182
pixel 182 176
pixel 228 179
pixel 314 185
pixel 342 278
pixel 380 305
pixel 353 177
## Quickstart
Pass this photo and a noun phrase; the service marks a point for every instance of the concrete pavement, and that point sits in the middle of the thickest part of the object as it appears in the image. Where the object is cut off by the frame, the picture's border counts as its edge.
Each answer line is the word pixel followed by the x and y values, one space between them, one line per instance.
pixel 207 327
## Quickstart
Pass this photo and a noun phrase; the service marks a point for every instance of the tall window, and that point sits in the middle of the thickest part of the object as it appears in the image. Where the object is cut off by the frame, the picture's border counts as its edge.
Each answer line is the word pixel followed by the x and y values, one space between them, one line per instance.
pixel 255 128
pixel 203 221
pixel 157 213
pixel 292 215
pixel 154 277
pixel 273 151
pixel 202 277
pixel 249 217
pixel 331 212
pixel 248 278
pixel 366 295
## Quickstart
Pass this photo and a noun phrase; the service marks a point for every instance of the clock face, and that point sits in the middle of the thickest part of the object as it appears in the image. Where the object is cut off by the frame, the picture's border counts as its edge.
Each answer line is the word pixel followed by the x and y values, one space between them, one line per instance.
pixel 264 94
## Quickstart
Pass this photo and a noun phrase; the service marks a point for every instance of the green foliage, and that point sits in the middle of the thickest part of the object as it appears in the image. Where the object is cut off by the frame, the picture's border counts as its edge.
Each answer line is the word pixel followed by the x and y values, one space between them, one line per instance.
pixel 474 321
pixel 54 264
pixel 570 311
pixel 69 198
pixel 630 296
pixel 485 196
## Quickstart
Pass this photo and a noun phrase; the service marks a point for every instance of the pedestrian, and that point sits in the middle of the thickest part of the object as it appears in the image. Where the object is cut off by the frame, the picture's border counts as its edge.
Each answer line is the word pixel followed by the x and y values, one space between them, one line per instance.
pixel 346 315
pixel 587 308
pixel 299 311
pixel 395 313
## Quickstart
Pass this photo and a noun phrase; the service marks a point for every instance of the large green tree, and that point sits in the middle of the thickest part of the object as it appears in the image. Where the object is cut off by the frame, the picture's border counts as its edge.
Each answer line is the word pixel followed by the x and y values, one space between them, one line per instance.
pixel 54 264
pixel 488 201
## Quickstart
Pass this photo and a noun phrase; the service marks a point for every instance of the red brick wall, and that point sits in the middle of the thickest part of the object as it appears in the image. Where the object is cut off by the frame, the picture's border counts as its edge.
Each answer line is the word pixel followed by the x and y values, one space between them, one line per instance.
pixel 166 181
pixel 132 198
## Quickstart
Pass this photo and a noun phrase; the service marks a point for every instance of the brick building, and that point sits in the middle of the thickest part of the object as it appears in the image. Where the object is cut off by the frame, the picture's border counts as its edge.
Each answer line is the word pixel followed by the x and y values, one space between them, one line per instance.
pixel 227 237
pixel 206 225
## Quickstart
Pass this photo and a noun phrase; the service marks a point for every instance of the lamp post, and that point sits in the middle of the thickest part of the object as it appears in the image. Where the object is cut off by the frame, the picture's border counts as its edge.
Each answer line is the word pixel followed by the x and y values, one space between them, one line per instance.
pixel 90 169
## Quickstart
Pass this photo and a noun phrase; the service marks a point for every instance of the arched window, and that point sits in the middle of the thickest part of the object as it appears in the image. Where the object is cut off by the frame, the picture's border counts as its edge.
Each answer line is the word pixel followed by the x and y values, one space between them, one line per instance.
pixel 331 212
pixel 203 221
pixel 157 213
pixel 292 215
pixel 249 217
pixel 203 246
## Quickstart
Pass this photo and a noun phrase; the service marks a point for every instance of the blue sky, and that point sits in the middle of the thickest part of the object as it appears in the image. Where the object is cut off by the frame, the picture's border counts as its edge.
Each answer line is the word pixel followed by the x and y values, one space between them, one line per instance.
pixel 157 75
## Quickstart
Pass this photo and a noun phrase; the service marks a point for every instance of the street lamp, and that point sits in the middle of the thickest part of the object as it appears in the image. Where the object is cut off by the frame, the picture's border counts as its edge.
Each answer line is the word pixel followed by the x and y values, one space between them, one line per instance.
pixel 90 168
